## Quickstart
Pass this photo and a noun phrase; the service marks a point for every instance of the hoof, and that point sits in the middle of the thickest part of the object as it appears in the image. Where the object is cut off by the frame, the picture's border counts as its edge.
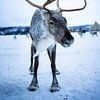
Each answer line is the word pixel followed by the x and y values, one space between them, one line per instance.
pixel 33 88
pixel 57 72
pixel 55 88
pixel 31 72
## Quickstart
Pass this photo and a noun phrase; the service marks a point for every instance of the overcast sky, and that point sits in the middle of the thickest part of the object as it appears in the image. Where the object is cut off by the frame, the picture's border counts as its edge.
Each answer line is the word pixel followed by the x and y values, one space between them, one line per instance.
pixel 19 12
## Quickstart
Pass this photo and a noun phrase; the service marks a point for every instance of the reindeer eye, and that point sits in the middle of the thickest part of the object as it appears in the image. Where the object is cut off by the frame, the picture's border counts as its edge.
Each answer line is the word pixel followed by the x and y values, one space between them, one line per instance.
pixel 51 22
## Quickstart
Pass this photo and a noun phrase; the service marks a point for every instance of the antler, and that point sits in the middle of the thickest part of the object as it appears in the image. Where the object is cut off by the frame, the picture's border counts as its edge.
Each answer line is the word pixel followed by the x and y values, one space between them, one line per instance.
pixel 69 10
pixel 50 1
pixel 40 7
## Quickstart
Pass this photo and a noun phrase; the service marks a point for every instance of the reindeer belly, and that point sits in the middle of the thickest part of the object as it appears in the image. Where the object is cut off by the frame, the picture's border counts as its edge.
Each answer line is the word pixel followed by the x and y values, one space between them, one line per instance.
pixel 43 44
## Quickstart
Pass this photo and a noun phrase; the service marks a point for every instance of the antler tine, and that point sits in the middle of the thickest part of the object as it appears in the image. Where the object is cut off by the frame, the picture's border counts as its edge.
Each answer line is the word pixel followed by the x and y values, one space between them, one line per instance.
pixel 40 7
pixel 58 5
pixel 48 2
pixel 34 5
pixel 69 10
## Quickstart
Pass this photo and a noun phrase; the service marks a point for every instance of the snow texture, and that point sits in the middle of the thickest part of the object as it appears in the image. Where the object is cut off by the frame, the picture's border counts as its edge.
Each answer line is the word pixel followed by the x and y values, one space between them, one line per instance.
pixel 79 66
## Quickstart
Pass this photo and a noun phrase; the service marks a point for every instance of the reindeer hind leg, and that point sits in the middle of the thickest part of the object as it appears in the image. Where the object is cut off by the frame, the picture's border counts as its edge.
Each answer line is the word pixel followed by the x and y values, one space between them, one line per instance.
pixel 33 50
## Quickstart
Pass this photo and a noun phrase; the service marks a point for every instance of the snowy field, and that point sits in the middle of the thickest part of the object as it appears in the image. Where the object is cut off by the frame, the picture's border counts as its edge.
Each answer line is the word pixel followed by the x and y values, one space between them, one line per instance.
pixel 79 66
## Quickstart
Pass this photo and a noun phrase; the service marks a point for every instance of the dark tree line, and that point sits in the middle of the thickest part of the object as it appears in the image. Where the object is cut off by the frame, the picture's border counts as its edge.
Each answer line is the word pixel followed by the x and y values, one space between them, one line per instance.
pixel 14 30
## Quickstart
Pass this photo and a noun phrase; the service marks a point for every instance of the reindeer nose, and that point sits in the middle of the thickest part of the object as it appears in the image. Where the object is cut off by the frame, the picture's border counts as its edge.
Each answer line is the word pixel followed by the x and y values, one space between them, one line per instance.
pixel 68 35
pixel 71 41
pixel 68 39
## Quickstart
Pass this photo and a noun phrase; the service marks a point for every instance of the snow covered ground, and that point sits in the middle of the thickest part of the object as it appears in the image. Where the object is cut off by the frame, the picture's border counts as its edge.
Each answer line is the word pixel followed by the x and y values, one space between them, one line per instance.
pixel 79 66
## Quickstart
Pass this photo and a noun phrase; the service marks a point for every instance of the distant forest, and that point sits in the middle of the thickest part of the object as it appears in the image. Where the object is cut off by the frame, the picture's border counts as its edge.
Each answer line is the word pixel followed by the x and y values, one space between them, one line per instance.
pixel 22 30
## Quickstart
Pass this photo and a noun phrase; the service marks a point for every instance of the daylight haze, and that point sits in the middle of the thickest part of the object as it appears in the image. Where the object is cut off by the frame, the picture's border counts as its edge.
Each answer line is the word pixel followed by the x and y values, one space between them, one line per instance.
pixel 19 12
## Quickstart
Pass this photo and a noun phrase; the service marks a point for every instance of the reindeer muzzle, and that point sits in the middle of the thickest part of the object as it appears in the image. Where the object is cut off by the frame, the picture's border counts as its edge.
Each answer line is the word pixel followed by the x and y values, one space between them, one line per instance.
pixel 67 39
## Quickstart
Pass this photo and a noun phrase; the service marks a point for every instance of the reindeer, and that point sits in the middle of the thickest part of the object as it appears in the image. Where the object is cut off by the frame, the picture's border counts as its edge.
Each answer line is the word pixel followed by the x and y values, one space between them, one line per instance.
pixel 93 33
pixel 48 27
pixel 81 32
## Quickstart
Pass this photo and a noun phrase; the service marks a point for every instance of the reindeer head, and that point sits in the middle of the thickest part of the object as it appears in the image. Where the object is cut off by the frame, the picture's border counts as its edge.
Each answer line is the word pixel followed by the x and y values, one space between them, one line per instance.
pixel 57 24
pixel 58 28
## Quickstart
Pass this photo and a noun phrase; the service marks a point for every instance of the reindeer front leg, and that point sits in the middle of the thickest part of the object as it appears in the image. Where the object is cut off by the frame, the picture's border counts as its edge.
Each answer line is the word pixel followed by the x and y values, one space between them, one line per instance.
pixel 34 84
pixel 52 55
pixel 49 50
